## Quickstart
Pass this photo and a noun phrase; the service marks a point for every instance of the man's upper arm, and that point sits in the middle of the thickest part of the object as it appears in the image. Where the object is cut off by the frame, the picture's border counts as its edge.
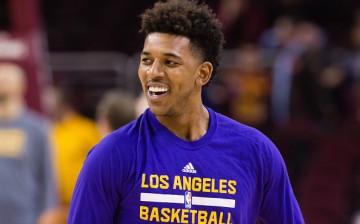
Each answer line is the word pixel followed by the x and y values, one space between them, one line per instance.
pixel 96 195
pixel 279 204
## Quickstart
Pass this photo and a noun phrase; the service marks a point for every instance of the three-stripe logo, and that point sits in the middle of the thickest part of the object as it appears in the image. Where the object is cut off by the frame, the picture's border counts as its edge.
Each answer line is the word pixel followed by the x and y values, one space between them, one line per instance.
pixel 189 168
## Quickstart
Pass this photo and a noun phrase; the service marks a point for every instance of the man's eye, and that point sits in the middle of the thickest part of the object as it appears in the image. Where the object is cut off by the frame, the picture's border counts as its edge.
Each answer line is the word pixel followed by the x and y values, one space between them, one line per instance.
pixel 171 63
pixel 146 61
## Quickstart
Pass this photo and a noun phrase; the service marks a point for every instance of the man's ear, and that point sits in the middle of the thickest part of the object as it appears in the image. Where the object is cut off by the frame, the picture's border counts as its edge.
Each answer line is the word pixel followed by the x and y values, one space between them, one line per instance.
pixel 204 73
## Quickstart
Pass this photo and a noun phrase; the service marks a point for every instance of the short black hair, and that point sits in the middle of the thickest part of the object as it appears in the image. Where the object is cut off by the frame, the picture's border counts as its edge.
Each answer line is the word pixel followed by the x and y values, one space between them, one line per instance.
pixel 190 19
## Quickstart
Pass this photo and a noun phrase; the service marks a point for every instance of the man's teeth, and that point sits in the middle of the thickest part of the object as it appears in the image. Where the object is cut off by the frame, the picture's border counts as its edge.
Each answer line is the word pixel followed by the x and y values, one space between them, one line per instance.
pixel 158 89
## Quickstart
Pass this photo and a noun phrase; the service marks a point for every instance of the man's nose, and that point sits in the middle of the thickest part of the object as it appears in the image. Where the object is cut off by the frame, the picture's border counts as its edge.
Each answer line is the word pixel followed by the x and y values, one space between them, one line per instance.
pixel 156 70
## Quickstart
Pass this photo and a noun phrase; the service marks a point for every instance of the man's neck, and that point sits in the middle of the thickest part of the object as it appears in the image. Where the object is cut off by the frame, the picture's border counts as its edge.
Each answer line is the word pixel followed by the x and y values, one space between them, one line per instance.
pixel 190 126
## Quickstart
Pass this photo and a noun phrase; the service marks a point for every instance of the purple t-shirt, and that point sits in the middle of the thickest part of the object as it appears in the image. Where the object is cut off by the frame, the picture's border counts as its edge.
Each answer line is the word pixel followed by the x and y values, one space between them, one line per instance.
pixel 143 173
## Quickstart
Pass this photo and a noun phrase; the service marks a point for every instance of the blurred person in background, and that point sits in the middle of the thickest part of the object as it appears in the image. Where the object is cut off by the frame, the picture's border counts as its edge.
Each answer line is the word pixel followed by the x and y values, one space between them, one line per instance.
pixel 243 21
pixel 306 36
pixel 248 87
pixel 243 89
pixel 277 35
pixel 26 186
pixel 321 144
pixel 115 109
pixel 73 136
pixel 353 64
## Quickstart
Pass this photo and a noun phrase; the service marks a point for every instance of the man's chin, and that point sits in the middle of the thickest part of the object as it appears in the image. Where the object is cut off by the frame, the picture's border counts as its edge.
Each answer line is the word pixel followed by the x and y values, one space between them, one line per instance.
pixel 159 111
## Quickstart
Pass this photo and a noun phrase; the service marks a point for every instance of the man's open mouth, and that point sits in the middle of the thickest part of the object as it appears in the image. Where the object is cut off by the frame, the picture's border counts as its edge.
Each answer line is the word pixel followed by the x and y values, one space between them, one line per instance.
pixel 157 90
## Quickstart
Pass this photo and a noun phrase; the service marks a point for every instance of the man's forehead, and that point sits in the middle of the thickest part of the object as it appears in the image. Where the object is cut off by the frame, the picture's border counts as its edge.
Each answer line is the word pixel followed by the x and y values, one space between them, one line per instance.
pixel 166 42
pixel 168 45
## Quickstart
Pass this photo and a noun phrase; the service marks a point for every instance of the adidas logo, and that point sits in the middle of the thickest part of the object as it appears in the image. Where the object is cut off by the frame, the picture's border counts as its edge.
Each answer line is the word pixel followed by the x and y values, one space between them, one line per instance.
pixel 189 168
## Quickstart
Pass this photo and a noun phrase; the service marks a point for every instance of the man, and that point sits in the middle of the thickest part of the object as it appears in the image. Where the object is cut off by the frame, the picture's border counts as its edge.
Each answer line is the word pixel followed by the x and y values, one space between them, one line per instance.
pixel 26 187
pixel 146 171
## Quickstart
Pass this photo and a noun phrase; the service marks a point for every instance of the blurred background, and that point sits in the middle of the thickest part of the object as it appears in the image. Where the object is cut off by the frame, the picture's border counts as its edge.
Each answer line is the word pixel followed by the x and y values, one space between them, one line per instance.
pixel 290 68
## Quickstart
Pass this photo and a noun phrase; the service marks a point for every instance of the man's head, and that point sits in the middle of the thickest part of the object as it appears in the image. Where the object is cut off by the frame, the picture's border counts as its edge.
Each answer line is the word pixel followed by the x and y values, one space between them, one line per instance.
pixel 189 19
pixel 181 52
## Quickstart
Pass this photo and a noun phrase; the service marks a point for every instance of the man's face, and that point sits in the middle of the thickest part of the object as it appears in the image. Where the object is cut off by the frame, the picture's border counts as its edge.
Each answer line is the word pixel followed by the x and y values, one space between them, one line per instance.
pixel 168 71
pixel 11 81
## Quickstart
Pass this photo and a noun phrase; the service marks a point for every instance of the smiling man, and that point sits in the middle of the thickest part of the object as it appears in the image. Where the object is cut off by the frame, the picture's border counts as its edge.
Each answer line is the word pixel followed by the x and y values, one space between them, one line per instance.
pixel 172 76
pixel 180 161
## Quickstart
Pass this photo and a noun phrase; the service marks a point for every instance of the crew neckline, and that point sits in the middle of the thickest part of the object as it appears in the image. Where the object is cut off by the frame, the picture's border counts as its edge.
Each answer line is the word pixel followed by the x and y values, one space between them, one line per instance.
pixel 205 139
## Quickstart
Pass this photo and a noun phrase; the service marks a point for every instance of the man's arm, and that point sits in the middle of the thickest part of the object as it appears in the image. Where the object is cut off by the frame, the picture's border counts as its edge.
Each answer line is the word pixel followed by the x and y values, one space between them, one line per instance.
pixel 279 204
pixel 96 195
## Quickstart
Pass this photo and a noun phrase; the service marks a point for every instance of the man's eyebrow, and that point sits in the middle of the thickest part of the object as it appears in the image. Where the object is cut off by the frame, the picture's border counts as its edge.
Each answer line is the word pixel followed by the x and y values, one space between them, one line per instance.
pixel 165 54
pixel 172 55
pixel 145 53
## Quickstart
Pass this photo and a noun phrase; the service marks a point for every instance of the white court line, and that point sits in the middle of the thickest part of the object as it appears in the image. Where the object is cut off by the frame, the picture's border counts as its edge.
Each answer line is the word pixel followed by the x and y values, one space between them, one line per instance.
pixel 179 199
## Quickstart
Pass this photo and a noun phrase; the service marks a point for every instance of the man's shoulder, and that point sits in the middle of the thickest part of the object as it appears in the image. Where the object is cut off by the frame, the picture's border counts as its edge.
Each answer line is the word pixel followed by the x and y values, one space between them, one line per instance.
pixel 227 124
pixel 132 129
pixel 124 137
pixel 234 131
pixel 124 133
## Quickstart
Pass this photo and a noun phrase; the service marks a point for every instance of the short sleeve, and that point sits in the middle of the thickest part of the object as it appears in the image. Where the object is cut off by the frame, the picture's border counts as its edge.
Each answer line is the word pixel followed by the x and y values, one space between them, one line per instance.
pixel 96 195
pixel 279 204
